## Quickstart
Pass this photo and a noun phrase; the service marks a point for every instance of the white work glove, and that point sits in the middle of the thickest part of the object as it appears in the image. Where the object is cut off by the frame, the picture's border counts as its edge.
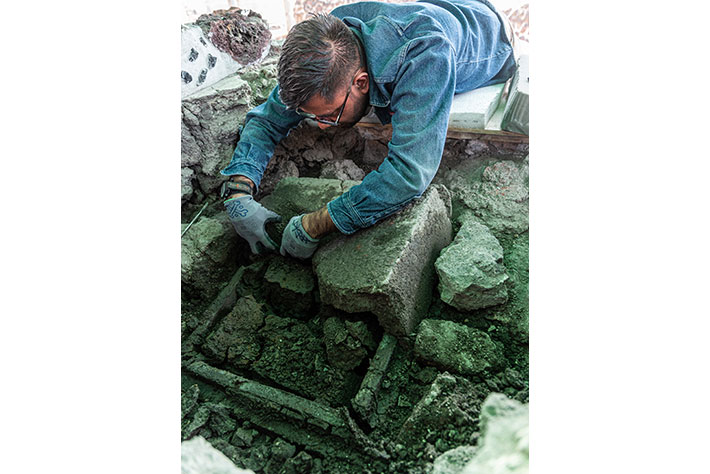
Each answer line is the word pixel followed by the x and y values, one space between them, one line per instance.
pixel 296 241
pixel 249 219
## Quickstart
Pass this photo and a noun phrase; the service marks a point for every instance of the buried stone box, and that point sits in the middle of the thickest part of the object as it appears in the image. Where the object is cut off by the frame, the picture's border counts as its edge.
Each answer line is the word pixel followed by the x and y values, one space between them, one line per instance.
pixel 386 269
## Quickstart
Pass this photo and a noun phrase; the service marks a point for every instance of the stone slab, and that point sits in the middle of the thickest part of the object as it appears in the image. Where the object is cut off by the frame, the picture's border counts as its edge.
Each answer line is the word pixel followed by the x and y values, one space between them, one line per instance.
pixel 365 401
pixel 517 108
pixel 470 110
pixel 457 347
pixel 471 271
pixel 315 426
pixel 388 269
pixel 473 109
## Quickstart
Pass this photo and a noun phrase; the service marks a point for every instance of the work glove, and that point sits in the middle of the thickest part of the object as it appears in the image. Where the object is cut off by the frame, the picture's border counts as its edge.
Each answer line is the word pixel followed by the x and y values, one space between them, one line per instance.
pixel 249 219
pixel 296 241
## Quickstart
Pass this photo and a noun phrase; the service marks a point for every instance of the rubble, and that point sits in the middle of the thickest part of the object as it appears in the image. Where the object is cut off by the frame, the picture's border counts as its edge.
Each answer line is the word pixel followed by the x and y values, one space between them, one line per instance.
pixel 311 424
pixel 471 271
pixel 346 342
pixel 453 461
pixel 452 402
pixel 456 347
pixel 496 191
pixel 388 269
pixel 343 170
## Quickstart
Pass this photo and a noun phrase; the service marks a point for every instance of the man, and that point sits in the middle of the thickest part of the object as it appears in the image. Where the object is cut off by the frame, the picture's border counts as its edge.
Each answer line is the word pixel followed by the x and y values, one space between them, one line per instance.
pixel 405 60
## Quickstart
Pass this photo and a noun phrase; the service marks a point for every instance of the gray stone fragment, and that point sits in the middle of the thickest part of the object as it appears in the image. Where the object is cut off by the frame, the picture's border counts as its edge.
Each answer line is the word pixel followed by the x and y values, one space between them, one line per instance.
pixel 277 169
pixel 456 347
pixel 243 437
pixel 342 169
pixel 318 155
pixel 451 401
pixel 504 445
pixel 301 462
pixel 186 177
pixel 235 340
pixel 517 109
pixel 199 457
pixel 208 255
pixel 290 284
pixel 188 401
pixel 496 192
pixel 388 269
pixel 197 422
pixel 343 343
pixel 471 271
pixel 210 121
pixel 281 451
pixel 453 461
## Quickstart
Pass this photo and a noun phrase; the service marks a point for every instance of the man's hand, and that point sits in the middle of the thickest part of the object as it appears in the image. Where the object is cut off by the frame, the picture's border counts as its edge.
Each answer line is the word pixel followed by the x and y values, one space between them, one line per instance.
pixel 249 219
pixel 296 241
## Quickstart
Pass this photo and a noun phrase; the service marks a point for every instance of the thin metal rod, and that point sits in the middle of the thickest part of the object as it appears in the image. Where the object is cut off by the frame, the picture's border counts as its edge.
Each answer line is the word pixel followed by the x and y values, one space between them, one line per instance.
pixel 194 219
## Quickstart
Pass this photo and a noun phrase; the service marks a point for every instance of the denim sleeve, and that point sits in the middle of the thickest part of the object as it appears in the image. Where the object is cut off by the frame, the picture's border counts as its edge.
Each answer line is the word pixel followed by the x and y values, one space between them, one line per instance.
pixel 264 127
pixel 421 102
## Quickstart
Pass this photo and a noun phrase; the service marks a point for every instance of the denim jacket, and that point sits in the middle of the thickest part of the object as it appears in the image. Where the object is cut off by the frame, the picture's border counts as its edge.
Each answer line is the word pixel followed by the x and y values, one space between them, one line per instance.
pixel 418 56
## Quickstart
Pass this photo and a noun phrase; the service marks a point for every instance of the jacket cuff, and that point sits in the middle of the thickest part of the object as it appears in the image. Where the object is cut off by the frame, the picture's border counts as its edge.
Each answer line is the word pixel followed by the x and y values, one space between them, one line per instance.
pixel 344 215
pixel 249 161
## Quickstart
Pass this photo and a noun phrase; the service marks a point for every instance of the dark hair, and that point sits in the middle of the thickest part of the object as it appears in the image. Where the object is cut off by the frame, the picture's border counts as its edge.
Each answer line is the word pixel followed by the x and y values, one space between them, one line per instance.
pixel 318 56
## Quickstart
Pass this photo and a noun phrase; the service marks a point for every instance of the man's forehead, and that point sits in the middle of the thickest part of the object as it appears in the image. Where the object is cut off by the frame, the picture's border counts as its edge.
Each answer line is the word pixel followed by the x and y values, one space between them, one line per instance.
pixel 321 105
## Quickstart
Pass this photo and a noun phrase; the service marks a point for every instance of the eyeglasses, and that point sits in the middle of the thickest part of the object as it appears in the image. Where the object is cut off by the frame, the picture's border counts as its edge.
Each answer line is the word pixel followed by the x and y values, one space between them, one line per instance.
pixel 342 108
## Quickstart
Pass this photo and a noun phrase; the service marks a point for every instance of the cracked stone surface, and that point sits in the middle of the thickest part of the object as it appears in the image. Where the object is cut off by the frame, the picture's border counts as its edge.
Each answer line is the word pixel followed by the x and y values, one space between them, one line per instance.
pixel 388 269
pixel 456 347
pixel 471 271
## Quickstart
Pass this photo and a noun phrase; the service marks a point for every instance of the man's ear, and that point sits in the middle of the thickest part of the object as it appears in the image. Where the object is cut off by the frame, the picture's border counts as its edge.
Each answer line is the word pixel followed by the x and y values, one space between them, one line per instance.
pixel 363 82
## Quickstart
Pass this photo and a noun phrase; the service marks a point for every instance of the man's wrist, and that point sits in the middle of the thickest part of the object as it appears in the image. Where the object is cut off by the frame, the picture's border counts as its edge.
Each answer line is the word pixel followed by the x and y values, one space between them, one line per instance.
pixel 237 186
pixel 318 224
